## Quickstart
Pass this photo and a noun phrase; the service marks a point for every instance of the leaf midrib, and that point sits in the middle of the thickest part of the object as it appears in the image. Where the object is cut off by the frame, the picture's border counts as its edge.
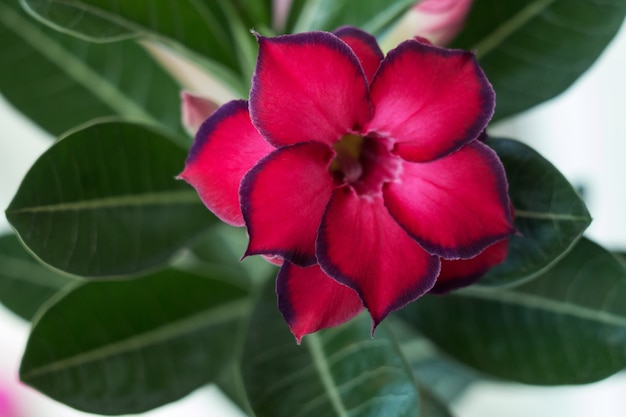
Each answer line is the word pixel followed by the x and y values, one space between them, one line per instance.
pixel 72 66
pixel 496 37
pixel 217 315
pixel 528 214
pixel 538 302
pixel 314 345
pixel 133 200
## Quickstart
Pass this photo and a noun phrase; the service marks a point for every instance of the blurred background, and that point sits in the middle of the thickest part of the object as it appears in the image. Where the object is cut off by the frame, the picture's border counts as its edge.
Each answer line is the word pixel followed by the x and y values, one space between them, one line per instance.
pixel 590 118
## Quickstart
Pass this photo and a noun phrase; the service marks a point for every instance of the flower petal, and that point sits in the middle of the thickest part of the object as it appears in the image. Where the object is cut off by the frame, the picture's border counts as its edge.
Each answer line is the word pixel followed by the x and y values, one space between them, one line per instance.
pixel 430 100
pixel 463 272
pixel 283 198
pixel 310 300
pixel 307 87
pixel 225 148
pixel 361 246
pixel 455 206
pixel 364 46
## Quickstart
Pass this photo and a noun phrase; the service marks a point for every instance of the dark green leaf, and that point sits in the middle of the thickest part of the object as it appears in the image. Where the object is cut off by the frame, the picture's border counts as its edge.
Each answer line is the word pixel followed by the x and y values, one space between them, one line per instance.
pixel 549 215
pixel 566 327
pixel 120 347
pixel 336 372
pixel 25 284
pixel 198 25
pixel 533 50
pixel 223 246
pixel 254 13
pixel 431 406
pixel 446 379
pixel 103 201
pixel 374 16
pixel 59 81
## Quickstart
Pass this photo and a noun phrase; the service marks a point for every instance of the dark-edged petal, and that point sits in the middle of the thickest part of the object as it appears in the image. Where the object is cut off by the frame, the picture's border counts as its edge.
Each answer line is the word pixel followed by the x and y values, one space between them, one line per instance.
pixel 310 300
pixel 307 87
pixel 364 46
pixel 225 148
pixel 430 100
pixel 361 246
pixel 283 198
pixel 463 272
pixel 454 206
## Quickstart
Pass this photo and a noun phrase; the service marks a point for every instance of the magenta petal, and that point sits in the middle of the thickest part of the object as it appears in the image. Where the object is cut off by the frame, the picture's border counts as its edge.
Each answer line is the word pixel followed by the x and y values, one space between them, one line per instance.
pixel 364 46
pixel 283 198
pixel 430 100
pixel 361 246
pixel 307 87
pixel 455 206
pixel 225 148
pixel 463 272
pixel 310 300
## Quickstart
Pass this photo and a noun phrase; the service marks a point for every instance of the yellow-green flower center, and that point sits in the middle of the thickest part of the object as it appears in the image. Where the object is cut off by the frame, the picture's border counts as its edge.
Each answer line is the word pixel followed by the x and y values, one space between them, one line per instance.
pixel 347 164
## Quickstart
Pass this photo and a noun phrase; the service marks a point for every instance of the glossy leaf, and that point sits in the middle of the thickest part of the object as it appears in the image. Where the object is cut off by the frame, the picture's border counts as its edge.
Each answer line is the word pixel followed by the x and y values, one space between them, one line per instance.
pixel 549 215
pixel 374 16
pixel 566 327
pixel 122 347
pixel 445 378
pixel 431 406
pixel 59 81
pixel 336 372
pixel 25 284
pixel 103 201
pixel 533 50
pixel 255 13
pixel 223 246
pixel 200 26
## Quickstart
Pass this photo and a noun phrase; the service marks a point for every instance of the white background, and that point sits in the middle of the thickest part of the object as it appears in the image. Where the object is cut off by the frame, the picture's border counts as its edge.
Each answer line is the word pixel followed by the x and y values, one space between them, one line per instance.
pixel 583 132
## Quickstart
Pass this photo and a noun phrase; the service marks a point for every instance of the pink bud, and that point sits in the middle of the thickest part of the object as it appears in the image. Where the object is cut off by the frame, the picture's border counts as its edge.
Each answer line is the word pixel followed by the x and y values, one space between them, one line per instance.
pixel 440 20
pixel 7 403
pixel 195 110
pixel 280 12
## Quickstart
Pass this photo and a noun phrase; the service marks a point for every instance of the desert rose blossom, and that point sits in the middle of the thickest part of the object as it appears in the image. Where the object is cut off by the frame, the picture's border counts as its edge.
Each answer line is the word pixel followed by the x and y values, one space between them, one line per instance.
pixel 359 171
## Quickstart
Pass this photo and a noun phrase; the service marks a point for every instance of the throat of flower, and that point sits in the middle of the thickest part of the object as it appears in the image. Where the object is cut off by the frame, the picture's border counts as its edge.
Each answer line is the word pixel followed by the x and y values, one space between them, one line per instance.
pixel 347 167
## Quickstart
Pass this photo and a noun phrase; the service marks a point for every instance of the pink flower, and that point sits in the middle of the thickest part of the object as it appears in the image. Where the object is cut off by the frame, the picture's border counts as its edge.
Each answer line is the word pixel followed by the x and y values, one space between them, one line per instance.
pixel 439 20
pixel 359 171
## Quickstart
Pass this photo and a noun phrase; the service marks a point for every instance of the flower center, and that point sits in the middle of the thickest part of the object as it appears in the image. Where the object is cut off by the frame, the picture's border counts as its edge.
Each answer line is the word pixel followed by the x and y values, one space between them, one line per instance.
pixel 365 163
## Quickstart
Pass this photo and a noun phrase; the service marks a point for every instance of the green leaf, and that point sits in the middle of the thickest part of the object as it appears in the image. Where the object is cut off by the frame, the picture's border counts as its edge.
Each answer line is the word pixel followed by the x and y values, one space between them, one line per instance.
pixel 431 406
pixel 549 215
pixel 59 81
pixel 118 347
pixel 25 284
pixel 223 246
pixel 103 201
pixel 446 379
pixel 374 16
pixel 199 26
pixel 335 372
pixel 254 13
pixel 566 327
pixel 533 50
